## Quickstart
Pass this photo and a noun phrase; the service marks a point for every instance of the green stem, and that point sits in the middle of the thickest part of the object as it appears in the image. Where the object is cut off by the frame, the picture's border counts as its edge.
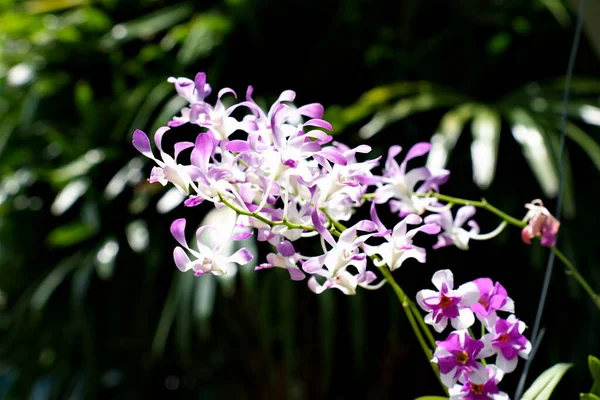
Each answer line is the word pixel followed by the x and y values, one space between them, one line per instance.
pixel 575 273
pixel 421 321
pixel 406 306
pixel 480 204
pixel 263 219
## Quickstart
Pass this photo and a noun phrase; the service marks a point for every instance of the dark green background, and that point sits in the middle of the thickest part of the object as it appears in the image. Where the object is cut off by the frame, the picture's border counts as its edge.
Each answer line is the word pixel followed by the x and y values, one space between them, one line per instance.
pixel 131 328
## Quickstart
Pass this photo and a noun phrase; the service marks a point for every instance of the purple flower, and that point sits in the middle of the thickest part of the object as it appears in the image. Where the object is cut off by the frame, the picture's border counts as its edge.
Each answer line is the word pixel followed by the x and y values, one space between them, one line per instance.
pixel 456 356
pixel 481 385
pixel 447 303
pixel 168 169
pixel 333 265
pixel 540 223
pixel 287 258
pixel 399 246
pixel 206 259
pixel 399 186
pixel 506 340
pixel 452 231
pixel 493 298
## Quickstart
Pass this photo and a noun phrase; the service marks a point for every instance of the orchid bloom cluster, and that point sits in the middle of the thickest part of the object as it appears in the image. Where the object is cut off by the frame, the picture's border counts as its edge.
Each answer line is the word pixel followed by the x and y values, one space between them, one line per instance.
pixel 287 180
pixel 461 356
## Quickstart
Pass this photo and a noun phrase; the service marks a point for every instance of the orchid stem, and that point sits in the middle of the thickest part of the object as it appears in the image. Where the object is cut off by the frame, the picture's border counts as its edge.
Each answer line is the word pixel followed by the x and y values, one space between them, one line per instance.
pixel 406 306
pixel 575 273
pixel 480 204
pixel 521 224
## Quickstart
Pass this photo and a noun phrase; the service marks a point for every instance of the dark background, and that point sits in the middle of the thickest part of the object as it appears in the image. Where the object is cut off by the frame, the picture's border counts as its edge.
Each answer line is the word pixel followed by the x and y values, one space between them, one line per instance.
pixel 131 326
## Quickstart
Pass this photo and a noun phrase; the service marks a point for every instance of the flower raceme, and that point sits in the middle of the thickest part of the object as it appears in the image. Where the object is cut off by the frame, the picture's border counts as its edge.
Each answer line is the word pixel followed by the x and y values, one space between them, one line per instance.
pixel 285 178
pixel 461 356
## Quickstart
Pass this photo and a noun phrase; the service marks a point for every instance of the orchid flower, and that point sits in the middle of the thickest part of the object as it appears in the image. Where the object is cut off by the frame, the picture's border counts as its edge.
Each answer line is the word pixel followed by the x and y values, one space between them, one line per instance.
pixel 540 223
pixel 400 187
pixel 448 304
pixel 206 259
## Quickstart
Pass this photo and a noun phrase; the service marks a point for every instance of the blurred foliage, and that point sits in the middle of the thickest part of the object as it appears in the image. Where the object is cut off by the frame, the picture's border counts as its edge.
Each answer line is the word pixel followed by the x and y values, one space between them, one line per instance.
pixel 91 304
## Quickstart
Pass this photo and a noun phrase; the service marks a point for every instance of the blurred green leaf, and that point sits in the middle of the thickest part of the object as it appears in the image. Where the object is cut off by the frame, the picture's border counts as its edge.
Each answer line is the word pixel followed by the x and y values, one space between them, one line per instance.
pixel 558 10
pixel 106 257
pixel 149 25
pixel 206 31
pixel 544 385
pixel 80 166
pixel 535 149
pixel 167 317
pixel 56 276
pixel 446 135
pixel 587 144
pixel 589 396
pixel 69 195
pixel 84 100
pixel 594 366
pixel 406 107
pixel 44 6
pixel 70 234
pixel 484 147
pixel 499 43
pixel 205 291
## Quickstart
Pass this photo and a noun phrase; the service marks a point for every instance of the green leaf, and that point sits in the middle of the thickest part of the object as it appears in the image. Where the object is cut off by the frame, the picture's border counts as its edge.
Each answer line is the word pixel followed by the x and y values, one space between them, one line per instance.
pixel 587 144
pixel 499 43
pixel 148 25
pixel 544 385
pixel 70 234
pixel 80 166
pixel 206 32
pixel 484 148
pixel 446 135
pixel 52 281
pixel 558 10
pixel 530 135
pixel 167 317
pixel 204 303
pixel 594 365
pixel 406 107
pixel 588 396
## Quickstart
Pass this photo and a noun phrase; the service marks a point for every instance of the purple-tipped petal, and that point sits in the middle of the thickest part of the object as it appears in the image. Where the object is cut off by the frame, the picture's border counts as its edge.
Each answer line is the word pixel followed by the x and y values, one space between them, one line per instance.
pixel 202 151
pixel 296 274
pixel 158 135
pixel 417 150
pixel 224 91
pixel 242 256
pixel 193 201
pixel 314 110
pixel 180 146
pixel 463 214
pixel 178 231
pixel 238 146
pixel 287 95
pixel 286 249
pixel 333 155
pixel 182 261
pixel 142 143
pixel 319 123
pixel 431 229
pixel 242 236
pixel 316 220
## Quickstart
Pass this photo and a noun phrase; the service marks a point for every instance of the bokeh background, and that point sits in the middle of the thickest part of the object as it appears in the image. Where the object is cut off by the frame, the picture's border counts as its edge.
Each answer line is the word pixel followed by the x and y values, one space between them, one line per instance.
pixel 91 304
